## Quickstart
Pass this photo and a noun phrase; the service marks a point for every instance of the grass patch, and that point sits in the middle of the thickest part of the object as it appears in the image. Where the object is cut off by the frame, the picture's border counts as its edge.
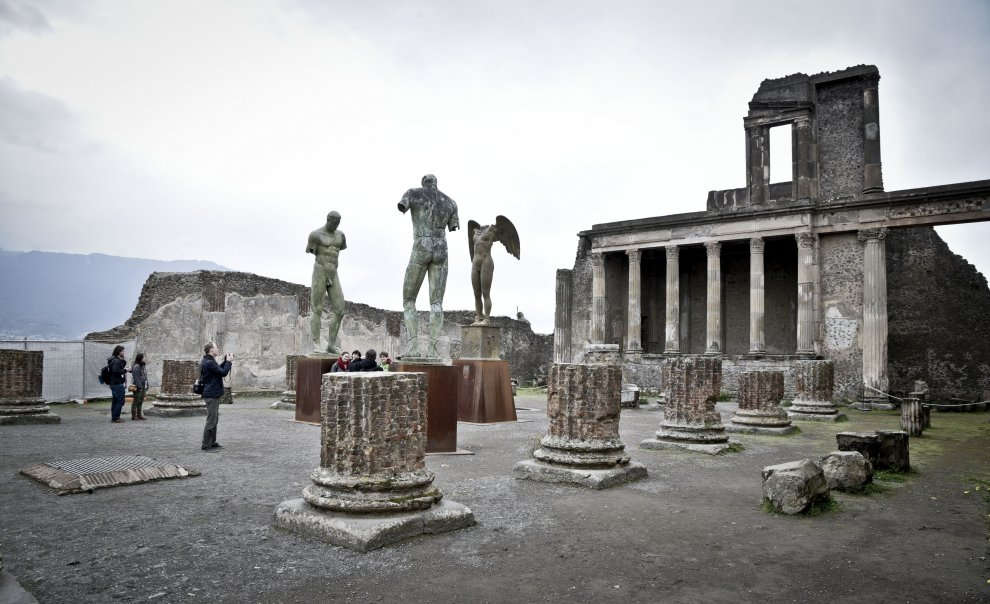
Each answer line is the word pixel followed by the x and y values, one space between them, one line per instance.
pixel 870 489
pixel 891 476
pixel 724 396
pixel 532 390
pixel 733 447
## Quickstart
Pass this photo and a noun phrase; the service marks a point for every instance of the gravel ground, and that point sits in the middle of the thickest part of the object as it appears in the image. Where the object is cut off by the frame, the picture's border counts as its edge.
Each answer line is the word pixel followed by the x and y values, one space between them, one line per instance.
pixel 693 531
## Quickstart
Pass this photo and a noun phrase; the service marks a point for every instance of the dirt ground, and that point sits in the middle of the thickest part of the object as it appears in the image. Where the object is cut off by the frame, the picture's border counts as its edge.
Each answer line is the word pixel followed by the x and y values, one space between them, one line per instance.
pixel 693 531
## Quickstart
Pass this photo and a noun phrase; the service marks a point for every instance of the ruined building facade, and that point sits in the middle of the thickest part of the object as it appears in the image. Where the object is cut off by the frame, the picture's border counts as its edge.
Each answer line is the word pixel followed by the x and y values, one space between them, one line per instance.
pixel 828 265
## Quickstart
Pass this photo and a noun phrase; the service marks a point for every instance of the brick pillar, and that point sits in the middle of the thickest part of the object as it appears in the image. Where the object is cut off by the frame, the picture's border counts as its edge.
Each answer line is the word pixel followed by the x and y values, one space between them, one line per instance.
pixel 714 300
pixel 813 384
pixel 582 444
pixel 176 397
pixel 634 318
pixel 21 401
pixel 757 338
pixel 691 387
pixel 759 395
pixel 806 328
pixel 672 329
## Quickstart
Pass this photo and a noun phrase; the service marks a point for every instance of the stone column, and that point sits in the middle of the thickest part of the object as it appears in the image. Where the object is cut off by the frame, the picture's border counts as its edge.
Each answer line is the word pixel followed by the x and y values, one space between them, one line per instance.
pixel 599 310
pixel 634 319
pixel 806 183
pixel 672 330
pixel 372 486
pixel 582 444
pixel 714 300
pixel 288 400
pixel 21 401
pixel 759 395
pixel 757 340
pixel 813 384
pixel 758 164
pixel 176 397
pixel 875 318
pixel 806 293
pixel 562 316
pixel 691 386
pixel 872 173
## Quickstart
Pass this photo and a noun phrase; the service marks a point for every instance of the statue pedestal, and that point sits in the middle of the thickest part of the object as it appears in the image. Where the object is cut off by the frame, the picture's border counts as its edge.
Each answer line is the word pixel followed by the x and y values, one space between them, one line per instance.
pixel 309 378
pixel 484 393
pixel 441 400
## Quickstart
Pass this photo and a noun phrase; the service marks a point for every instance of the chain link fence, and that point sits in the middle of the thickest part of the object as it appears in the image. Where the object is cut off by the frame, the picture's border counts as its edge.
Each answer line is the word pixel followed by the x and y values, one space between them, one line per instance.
pixel 71 367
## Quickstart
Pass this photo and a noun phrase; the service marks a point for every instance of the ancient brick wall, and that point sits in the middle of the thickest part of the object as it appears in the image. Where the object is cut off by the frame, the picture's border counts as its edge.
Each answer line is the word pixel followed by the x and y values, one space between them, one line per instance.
pixel 840 138
pixel 20 373
pixel 842 301
pixel 938 316
pixel 178 377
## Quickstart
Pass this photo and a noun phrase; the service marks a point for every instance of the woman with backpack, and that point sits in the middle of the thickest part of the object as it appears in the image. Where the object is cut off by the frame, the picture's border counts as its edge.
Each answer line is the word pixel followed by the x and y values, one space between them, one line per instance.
pixel 117 370
pixel 139 385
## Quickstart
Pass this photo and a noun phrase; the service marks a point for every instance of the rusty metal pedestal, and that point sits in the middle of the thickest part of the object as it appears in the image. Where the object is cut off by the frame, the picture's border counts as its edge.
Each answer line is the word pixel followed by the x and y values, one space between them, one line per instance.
pixel 309 378
pixel 442 380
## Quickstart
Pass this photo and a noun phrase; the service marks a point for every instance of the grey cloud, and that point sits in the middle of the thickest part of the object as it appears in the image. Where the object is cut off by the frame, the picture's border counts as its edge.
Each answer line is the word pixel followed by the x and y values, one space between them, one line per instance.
pixel 17 15
pixel 37 121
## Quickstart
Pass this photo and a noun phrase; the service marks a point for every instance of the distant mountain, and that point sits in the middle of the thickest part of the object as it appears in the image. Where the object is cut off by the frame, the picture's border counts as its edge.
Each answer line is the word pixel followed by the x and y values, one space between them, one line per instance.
pixel 49 295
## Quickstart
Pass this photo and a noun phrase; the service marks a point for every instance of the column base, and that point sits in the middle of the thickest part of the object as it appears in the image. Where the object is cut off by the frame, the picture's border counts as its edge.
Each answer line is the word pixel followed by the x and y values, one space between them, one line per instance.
pixel 817 417
pixel 871 404
pixel 177 409
pixel 365 532
pixel 591 478
pixel 22 419
pixel 656 444
pixel 770 430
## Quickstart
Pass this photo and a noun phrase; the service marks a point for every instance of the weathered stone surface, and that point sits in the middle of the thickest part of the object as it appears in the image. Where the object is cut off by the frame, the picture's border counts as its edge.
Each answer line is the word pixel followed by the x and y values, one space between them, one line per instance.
pixel 865 443
pixel 481 342
pixel 629 397
pixel 20 389
pixel 690 420
pixel 847 470
pixel 813 381
pixel 372 486
pixel 582 445
pixel 759 404
pixel 289 394
pixel 792 487
pixel 176 398
pixel 893 451
pixel 366 532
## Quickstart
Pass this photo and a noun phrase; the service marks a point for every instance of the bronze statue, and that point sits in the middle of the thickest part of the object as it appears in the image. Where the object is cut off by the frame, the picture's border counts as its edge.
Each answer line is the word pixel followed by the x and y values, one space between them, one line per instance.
pixel 480 240
pixel 326 243
pixel 432 214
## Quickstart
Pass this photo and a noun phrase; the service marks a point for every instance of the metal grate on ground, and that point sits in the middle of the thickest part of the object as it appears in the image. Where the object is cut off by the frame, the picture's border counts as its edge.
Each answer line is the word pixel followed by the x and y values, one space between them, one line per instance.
pixel 85 475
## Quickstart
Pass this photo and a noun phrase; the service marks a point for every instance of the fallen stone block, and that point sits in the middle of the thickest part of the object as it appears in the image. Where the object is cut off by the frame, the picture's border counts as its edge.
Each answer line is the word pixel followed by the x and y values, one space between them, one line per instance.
pixel 893 451
pixel 847 471
pixel 792 487
pixel 865 443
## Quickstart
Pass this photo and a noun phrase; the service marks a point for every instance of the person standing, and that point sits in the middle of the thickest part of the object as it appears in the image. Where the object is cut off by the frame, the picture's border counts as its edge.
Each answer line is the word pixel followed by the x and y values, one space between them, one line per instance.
pixel 386 361
pixel 368 363
pixel 139 384
pixel 211 376
pixel 117 365
pixel 341 363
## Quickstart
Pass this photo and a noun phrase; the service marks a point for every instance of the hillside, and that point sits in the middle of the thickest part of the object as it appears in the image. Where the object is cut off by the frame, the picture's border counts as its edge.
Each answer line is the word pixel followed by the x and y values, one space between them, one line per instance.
pixel 50 295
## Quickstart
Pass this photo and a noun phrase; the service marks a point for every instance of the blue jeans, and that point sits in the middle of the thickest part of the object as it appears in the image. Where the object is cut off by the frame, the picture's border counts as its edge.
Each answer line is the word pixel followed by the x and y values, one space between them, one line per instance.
pixel 117 405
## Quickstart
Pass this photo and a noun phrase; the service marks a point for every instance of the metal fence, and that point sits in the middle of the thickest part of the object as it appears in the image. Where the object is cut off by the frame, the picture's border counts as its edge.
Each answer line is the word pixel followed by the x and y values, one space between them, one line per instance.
pixel 71 367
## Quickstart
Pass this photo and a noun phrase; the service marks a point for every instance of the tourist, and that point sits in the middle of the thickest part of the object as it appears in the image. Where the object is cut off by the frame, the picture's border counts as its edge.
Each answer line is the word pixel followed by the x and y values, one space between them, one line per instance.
pixel 368 363
pixel 117 365
pixel 386 362
pixel 342 362
pixel 139 385
pixel 356 356
pixel 211 376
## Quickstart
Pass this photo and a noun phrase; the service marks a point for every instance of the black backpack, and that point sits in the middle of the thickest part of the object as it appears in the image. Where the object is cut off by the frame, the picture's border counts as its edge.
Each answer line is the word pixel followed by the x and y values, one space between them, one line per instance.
pixel 105 374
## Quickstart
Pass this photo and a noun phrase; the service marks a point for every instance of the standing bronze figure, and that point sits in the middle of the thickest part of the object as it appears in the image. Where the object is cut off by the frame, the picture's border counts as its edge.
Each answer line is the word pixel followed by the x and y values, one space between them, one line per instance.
pixel 326 243
pixel 480 240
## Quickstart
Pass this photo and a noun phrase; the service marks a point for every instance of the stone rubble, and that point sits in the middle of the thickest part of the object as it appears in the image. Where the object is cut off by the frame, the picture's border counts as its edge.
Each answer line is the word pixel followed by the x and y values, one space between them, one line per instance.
pixel 792 487
pixel 847 471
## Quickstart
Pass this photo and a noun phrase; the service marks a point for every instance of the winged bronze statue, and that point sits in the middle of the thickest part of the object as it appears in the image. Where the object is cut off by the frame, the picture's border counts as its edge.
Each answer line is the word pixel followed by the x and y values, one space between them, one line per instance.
pixel 480 240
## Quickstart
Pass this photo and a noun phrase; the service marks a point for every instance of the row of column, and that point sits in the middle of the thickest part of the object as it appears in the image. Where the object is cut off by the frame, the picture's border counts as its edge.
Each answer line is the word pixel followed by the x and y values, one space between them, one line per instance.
pixel 806 324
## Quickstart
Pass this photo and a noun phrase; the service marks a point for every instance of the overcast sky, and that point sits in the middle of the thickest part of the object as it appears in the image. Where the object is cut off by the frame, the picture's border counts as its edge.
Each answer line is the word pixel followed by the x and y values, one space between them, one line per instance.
pixel 226 130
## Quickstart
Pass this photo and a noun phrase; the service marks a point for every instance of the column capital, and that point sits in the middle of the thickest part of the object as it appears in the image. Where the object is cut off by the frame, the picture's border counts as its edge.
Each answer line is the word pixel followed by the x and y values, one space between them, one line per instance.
pixel 672 251
pixel 756 245
pixel 598 257
pixel 806 239
pixel 634 254
pixel 876 234
pixel 713 247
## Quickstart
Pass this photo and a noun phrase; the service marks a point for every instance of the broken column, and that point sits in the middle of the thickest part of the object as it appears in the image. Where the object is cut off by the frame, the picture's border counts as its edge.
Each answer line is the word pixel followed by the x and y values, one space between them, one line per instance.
pixel 20 388
pixel 288 400
pixel 813 383
pixel 582 445
pixel 176 398
pixel 759 394
pixel 372 487
pixel 691 387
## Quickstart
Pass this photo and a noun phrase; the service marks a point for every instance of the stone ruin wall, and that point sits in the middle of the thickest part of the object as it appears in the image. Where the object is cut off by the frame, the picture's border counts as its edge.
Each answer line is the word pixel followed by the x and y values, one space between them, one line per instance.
pixel 262 320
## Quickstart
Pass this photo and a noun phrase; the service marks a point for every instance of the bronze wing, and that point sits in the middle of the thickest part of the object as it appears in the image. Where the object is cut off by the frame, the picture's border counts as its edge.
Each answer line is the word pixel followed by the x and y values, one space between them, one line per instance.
pixel 472 227
pixel 507 235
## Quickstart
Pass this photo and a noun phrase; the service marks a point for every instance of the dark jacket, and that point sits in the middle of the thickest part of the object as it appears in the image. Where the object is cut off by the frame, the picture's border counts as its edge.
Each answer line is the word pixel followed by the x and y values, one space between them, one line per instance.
pixel 211 375
pixel 139 376
pixel 118 371
pixel 364 365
